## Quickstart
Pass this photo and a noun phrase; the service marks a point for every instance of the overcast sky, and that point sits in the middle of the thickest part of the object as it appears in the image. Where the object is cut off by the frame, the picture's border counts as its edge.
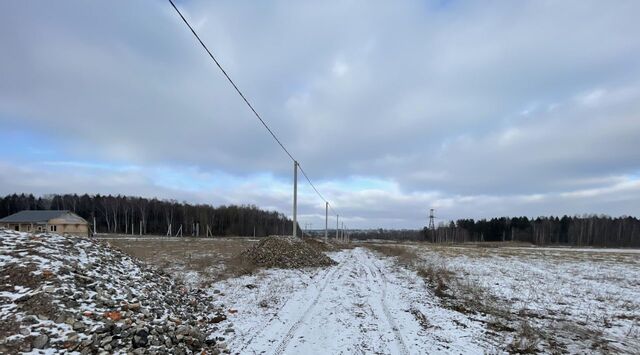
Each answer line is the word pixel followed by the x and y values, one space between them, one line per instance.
pixel 476 109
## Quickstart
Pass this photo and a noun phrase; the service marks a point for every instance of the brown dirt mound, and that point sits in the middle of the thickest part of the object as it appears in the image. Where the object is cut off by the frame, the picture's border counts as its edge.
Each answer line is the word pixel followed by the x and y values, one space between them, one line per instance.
pixel 285 253
pixel 320 244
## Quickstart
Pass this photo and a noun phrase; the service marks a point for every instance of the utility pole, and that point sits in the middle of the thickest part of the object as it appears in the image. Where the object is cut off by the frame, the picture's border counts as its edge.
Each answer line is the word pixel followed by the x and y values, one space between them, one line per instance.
pixel 326 220
pixel 295 198
pixel 337 225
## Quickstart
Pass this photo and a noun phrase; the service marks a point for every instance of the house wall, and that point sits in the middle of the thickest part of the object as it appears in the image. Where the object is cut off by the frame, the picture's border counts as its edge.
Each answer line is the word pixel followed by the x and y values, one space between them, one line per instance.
pixel 59 228
pixel 24 227
pixel 75 229
pixel 69 224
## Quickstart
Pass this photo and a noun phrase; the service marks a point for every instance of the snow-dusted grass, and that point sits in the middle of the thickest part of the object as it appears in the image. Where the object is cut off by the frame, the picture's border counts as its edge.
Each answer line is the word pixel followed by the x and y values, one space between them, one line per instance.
pixel 585 300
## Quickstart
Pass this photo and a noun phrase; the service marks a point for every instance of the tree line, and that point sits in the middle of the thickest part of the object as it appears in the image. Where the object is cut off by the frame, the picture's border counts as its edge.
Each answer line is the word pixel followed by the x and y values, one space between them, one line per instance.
pixel 588 230
pixel 387 234
pixel 138 215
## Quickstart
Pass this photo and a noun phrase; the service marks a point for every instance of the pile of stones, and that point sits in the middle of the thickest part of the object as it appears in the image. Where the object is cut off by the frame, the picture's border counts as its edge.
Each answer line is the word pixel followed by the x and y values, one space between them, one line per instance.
pixel 74 294
pixel 285 252
pixel 321 244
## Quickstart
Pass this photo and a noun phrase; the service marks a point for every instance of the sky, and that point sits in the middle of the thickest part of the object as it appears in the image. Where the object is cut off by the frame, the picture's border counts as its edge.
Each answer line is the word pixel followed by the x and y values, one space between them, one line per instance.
pixel 476 109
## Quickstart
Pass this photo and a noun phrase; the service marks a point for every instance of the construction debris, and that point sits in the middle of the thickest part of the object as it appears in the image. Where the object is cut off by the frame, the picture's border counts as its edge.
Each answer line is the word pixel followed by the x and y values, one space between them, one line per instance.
pixel 285 252
pixel 73 294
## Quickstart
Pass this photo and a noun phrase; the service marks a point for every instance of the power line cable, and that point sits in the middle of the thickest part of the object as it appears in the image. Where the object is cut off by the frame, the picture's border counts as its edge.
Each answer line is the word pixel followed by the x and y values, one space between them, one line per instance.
pixel 247 101
pixel 310 183
pixel 231 81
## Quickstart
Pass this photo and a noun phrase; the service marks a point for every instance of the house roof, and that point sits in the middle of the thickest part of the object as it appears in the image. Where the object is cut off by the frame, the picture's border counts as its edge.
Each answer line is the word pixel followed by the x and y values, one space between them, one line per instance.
pixel 36 216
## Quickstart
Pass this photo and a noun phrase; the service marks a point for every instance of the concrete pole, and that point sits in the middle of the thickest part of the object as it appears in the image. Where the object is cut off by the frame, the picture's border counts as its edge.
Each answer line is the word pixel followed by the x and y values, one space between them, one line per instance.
pixel 337 225
pixel 295 198
pixel 326 220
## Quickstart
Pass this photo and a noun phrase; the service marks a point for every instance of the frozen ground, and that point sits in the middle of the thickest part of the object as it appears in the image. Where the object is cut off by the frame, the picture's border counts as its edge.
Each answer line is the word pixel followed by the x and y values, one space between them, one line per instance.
pixel 425 299
pixel 573 300
pixel 365 305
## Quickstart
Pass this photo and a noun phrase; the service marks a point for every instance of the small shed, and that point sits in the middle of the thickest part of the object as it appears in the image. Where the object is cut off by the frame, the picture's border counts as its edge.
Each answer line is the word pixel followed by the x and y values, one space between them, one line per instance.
pixel 34 221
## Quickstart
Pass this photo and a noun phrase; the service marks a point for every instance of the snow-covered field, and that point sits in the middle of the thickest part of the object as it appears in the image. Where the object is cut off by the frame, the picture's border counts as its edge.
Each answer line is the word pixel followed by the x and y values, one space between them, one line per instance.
pixel 577 300
pixel 497 300
pixel 365 305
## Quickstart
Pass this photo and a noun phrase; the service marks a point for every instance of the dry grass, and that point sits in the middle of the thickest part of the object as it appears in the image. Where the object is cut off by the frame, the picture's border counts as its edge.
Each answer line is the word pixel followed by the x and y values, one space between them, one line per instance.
pixel 464 296
pixel 214 258
pixel 526 341
pixel 403 255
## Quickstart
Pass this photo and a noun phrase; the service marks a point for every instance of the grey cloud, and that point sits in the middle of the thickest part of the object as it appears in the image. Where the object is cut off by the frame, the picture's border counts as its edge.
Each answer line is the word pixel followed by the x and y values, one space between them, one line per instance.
pixel 466 99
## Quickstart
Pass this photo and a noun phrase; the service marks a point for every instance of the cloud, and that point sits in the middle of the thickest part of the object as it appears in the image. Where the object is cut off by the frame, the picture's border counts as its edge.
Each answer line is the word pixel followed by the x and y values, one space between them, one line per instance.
pixel 462 105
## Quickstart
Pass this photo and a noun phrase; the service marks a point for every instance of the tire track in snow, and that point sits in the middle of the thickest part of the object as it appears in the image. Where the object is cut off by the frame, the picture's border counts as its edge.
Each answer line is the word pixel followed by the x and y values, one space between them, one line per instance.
pixel 385 309
pixel 294 328
pixel 258 329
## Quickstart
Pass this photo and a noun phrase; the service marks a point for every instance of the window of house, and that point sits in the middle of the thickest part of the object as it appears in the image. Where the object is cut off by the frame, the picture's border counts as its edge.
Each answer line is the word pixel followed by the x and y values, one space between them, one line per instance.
pixel 17 228
pixel 52 228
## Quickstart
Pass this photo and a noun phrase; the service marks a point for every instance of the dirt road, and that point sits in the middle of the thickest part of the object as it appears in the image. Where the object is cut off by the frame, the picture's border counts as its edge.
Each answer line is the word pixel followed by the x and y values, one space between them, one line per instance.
pixel 366 304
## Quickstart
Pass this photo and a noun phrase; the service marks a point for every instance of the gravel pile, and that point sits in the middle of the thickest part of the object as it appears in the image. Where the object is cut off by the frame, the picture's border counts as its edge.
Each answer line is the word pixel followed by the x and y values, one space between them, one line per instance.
pixel 321 244
pixel 74 294
pixel 285 252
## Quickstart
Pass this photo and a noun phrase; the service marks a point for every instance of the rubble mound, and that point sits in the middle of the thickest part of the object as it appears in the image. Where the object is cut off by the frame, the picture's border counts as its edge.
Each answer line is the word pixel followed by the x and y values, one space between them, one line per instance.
pixel 75 294
pixel 285 252
pixel 320 244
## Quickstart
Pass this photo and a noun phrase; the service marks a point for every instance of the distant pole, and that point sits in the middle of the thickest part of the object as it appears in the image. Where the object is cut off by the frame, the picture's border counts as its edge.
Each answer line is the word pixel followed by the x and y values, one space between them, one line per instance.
pixel 326 220
pixel 141 227
pixel 337 225
pixel 295 198
pixel 95 230
pixel 432 225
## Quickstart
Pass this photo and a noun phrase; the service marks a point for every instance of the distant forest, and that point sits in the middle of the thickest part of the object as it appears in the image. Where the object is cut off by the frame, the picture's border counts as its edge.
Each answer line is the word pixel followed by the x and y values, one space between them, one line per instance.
pixel 598 231
pixel 127 215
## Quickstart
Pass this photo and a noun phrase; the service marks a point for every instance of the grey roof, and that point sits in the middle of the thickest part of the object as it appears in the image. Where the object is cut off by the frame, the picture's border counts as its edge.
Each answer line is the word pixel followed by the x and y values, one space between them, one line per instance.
pixel 33 216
